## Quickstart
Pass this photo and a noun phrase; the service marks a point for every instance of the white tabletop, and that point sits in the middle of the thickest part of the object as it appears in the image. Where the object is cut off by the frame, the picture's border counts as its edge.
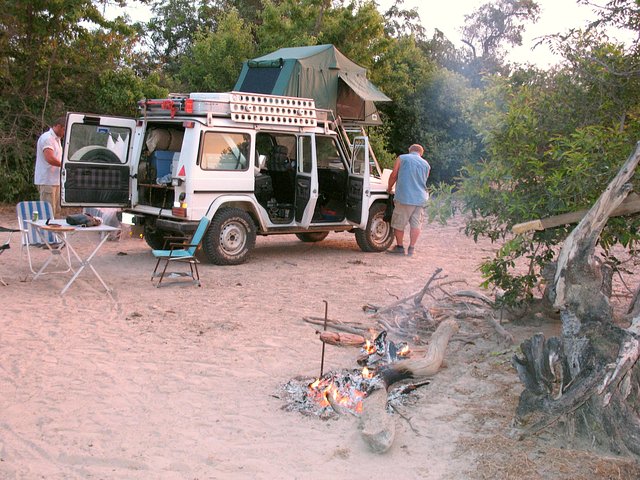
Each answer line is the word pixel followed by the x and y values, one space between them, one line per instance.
pixel 62 223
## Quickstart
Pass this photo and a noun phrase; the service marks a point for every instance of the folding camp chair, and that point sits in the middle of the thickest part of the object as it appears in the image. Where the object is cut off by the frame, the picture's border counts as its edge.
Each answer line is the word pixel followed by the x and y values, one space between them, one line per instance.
pixel 6 245
pixel 31 236
pixel 182 252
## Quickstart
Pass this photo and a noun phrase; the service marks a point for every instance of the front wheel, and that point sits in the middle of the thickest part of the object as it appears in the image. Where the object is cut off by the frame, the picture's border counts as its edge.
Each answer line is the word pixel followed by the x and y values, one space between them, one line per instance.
pixel 230 237
pixel 311 237
pixel 378 235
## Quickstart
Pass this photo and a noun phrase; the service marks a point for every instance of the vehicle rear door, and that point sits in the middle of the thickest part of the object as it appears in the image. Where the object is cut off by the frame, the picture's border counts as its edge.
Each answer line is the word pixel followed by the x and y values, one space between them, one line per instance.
pixel 358 186
pixel 96 161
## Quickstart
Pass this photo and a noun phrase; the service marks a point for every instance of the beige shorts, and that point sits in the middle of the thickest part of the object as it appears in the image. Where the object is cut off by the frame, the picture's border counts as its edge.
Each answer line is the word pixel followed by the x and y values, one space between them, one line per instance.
pixel 51 194
pixel 403 214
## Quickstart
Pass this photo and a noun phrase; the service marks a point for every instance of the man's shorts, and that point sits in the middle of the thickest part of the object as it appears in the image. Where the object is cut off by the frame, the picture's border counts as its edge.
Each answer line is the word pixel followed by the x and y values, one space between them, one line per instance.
pixel 51 194
pixel 403 214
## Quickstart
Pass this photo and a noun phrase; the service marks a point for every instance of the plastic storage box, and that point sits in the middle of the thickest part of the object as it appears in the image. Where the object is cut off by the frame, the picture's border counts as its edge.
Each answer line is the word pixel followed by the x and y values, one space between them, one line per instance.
pixel 161 160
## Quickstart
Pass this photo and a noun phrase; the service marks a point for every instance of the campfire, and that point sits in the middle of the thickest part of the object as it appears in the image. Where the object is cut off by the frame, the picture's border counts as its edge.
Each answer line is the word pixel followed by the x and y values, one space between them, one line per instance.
pixel 367 392
pixel 343 391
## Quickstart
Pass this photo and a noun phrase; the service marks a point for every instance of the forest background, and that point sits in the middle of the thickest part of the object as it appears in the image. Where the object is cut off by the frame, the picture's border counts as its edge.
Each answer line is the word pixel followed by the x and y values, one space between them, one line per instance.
pixel 506 142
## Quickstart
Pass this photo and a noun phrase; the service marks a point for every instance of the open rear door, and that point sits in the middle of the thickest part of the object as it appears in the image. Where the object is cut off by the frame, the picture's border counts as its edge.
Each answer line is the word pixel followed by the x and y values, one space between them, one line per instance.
pixel 96 161
pixel 359 188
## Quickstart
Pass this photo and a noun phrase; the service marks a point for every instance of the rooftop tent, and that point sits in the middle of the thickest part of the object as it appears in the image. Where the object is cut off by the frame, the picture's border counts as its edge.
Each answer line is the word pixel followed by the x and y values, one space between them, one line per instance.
pixel 320 72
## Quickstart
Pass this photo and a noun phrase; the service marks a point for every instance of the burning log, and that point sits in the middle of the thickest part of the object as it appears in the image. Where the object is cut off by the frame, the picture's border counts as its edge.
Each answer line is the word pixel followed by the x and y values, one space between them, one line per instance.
pixel 427 365
pixel 377 426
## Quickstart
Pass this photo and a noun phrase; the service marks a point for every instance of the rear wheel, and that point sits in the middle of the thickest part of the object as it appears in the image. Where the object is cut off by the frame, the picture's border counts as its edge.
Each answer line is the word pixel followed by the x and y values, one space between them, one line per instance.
pixel 155 237
pixel 378 235
pixel 230 237
pixel 311 237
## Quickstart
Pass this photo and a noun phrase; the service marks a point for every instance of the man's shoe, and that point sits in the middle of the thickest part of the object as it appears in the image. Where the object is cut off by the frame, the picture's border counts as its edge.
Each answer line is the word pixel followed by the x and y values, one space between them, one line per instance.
pixel 398 250
pixel 410 251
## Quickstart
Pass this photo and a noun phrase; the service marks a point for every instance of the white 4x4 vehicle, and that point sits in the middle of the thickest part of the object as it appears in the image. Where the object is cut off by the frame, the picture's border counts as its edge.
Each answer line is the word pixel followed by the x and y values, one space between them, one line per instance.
pixel 254 164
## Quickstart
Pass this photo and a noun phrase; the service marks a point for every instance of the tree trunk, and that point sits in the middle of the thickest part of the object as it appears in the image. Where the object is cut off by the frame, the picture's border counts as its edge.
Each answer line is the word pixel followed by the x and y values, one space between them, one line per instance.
pixel 586 384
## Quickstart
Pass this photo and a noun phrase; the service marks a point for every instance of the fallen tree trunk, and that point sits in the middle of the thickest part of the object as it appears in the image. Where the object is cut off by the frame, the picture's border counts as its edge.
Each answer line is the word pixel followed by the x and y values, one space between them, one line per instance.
pixel 377 425
pixel 585 384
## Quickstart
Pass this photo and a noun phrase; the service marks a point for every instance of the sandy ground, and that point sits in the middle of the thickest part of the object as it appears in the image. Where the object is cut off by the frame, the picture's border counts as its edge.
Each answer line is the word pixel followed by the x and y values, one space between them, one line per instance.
pixel 184 382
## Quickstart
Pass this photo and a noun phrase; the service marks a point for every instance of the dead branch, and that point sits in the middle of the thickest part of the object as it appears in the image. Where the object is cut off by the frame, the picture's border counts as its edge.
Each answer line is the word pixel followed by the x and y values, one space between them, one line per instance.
pixel 418 297
pixel 356 328
pixel 500 329
pixel 411 298
pixel 474 295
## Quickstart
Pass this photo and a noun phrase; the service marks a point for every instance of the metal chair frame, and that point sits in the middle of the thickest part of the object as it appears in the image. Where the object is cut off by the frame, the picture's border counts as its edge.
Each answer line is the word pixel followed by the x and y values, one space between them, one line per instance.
pixel 30 236
pixel 6 245
pixel 182 252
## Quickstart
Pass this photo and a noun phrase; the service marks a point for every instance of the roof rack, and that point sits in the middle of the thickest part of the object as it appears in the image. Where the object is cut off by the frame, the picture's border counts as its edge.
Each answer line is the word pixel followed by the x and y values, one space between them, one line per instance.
pixel 241 107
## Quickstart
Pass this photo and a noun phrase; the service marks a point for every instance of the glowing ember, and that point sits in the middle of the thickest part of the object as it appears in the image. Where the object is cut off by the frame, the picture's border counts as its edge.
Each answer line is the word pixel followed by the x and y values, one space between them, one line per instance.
pixel 404 351
pixel 369 348
pixel 343 391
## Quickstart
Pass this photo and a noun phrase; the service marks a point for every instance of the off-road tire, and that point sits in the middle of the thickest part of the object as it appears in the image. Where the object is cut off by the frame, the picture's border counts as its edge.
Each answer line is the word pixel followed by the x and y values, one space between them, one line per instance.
pixel 230 237
pixel 155 237
pixel 378 235
pixel 312 237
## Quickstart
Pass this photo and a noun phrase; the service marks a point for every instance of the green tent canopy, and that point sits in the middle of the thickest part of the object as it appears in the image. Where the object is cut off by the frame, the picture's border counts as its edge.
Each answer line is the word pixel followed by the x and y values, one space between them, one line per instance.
pixel 320 72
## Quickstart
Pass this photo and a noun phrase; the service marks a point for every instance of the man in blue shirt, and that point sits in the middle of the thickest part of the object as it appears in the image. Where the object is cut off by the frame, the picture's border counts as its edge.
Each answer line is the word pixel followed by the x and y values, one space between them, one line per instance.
pixel 409 175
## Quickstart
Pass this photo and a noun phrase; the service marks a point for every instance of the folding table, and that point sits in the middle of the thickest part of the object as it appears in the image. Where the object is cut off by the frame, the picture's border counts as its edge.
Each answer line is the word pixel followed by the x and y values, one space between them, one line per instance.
pixel 63 232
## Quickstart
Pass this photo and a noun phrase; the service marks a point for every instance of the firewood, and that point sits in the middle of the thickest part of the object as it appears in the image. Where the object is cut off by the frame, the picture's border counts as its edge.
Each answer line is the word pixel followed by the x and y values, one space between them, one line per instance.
pixel 501 330
pixel 350 327
pixel 425 366
pixel 342 339
pixel 378 428
pixel 415 298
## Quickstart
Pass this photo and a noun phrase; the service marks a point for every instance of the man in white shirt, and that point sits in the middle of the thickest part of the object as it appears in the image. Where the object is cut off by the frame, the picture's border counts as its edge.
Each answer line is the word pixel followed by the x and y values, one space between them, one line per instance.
pixel 48 162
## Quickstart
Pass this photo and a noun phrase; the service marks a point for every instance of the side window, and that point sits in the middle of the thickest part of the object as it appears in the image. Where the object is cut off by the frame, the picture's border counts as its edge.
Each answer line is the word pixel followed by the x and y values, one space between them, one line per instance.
pixel 359 157
pixel 305 161
pixel 225 151
pixel 328 154
pixel 96 143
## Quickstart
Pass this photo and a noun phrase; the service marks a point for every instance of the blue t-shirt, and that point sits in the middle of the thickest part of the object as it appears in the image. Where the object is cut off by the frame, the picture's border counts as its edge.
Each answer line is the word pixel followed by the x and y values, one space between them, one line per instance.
pixel 411 186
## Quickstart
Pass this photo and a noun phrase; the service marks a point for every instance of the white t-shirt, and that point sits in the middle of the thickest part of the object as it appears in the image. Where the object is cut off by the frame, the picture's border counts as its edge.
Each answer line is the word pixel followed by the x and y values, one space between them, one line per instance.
pixel 45 173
